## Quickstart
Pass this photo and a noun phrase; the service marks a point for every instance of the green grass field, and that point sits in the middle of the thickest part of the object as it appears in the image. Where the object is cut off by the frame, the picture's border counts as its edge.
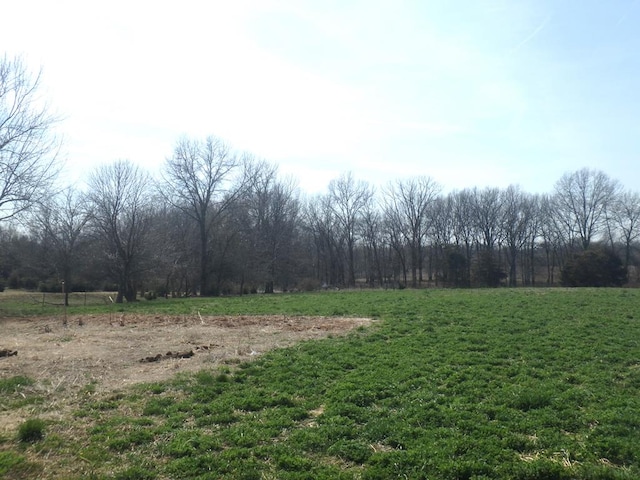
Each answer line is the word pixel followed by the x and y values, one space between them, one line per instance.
pixel 449 384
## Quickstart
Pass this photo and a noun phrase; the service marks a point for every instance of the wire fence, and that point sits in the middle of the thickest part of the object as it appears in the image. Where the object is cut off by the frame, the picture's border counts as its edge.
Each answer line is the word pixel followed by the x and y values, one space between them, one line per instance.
pixel 49 299
pixel 76 299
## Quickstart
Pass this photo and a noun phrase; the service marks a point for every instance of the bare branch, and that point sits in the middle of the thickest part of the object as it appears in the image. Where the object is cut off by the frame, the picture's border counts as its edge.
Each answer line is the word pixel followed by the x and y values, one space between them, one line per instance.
pixel 28 148
pixel 122 215
pixel 198 180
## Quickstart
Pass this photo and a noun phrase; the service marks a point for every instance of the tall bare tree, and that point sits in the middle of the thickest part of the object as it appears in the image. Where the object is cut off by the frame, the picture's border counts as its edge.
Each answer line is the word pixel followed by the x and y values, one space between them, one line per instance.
pixel 556 239
pixel 394 234
pixel 516 215
pixel 61 226
pixel 410 201
pixel 626 217
pixel 487 210
pixel 198 180
pixel 328 243
pixel 121 200
pixel 465 231
pixel 348 199
pixel 372 235
pixel 581 200
pixel 442 233
pixel 268 217
pixel 532 234
pixel 174 251
pixel 28 148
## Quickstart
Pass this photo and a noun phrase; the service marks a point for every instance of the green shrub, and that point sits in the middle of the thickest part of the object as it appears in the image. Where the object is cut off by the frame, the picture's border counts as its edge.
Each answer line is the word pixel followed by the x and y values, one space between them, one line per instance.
pixel 162 290
pixel 308 285
pixel 457 272
pixel 31 430
pixel 595 267
pixel 150 295
pixel 30 284
pixel 16 282
pixel 487 271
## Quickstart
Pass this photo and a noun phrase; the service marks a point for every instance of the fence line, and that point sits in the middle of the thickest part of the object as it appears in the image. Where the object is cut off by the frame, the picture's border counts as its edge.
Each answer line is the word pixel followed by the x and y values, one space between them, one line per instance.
pixel 75 298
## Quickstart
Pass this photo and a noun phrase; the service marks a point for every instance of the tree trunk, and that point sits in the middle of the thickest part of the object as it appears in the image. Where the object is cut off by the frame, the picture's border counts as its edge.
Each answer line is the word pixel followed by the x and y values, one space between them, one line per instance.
pixel 513 258
pixel 204 262
pixel 352 271
pixel 414 266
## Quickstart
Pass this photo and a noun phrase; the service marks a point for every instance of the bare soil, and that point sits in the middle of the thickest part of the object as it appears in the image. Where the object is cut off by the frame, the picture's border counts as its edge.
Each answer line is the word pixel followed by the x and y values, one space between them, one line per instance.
pixel 101 354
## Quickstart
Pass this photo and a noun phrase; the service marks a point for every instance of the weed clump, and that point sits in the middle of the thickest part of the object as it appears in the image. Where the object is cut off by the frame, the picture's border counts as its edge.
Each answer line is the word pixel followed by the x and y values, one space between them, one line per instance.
pixel 14 384
pixel 31 430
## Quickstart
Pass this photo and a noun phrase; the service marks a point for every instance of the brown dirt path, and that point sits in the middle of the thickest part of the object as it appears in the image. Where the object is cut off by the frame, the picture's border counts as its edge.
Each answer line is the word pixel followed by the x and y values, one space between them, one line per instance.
pixel 105 352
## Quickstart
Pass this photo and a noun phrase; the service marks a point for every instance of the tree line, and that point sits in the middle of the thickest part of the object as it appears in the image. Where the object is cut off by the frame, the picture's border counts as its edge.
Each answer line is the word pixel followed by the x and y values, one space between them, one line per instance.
pixel 215 221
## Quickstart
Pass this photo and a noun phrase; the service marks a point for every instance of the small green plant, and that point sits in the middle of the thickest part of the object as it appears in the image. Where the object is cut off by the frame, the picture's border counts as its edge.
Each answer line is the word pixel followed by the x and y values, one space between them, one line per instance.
pixel 31 430
pixel 89 388
pixel 135 473
pixel 13 465
pixel 14 384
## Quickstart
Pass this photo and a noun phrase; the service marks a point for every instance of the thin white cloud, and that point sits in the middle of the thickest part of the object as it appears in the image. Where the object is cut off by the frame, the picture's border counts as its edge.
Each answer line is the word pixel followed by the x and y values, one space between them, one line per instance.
pixel 536 31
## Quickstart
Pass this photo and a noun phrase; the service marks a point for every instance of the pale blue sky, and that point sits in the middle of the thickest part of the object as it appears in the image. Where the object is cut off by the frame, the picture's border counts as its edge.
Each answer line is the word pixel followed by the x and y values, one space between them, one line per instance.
pixel 471 93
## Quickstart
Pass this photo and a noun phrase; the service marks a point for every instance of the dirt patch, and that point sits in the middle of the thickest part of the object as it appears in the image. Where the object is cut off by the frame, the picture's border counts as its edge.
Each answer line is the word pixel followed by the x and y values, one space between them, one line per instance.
pixel 108 353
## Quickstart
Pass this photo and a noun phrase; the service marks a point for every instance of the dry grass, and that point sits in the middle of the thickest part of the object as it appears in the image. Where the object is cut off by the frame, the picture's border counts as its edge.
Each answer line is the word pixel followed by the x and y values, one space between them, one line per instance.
pixel 104 352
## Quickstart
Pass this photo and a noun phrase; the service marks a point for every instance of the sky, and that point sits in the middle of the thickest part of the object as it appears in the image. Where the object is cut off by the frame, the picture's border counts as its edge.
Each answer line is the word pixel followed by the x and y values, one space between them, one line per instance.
pixel 471 93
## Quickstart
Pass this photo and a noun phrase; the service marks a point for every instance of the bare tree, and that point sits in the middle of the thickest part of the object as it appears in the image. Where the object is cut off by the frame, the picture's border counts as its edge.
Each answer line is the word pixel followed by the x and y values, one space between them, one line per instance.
pixel 410 201
pixel 626 217
pixel 464 229
pixel 486 207
pixel 122 207
pixel 532 234
pixel 581 200
pixel 272 210
pixel 442 233
pixel 556 241
pixel 373 244
pixel 198 180
pixel 174 251
pixel 28 147
pixel 515 219
pixel 60 224
pixel 348 199
pixel 395 237
pixel 323 227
